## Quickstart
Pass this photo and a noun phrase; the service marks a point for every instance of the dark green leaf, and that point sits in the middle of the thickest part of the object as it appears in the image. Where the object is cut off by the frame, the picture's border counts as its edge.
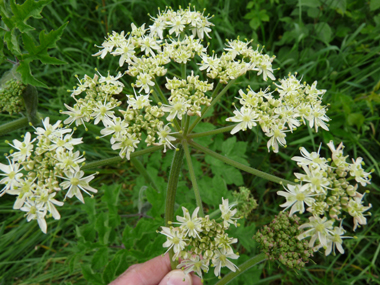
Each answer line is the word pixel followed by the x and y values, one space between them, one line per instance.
pixel 100 258
pixel 90 276
pixel 374 5
pixel 26 75
pixel 356 119
pixel 21 13
pixel 30 96
pixel 323 32
pixel 47 41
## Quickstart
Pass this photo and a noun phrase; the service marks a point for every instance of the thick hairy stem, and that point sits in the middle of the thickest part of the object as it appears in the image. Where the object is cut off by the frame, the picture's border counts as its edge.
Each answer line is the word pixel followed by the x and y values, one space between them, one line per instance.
pixel 242 268
pixel 14 125
pixel 242 166
pixel 171 192
pixel 193 179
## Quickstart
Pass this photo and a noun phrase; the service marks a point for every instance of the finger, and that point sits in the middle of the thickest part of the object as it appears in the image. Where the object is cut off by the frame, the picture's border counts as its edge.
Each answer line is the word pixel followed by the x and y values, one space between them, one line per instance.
pixel 148 273
pixel 176 277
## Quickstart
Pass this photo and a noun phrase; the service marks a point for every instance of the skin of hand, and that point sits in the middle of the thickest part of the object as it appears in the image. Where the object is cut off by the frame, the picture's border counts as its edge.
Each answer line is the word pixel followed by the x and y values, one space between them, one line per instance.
pixel 156 271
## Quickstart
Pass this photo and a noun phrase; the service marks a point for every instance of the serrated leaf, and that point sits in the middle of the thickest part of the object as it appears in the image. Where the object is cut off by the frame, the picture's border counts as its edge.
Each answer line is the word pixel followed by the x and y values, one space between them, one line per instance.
pixel 12 42
pixel 90 276
pixel 21 13
pixel 228 145
pixel 100 258
pixel 26 75
pixel 40 52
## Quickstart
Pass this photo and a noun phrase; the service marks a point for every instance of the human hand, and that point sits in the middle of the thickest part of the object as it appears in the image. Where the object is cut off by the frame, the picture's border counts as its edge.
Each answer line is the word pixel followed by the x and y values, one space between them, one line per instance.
pixel 156 271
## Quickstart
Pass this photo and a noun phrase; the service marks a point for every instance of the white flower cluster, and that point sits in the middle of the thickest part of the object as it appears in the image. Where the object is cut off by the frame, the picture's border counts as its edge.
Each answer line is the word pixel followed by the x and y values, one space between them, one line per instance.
pixel 295 104
pixel 187 96
pixel 36 168
pixel 238 60
pixel 199 241
pixel 326 189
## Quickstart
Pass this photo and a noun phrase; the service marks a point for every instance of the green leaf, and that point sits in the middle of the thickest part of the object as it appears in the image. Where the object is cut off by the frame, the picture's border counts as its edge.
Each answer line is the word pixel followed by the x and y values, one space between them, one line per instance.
pixel 157 200
pixel 26 75
pixel 90 276
pixel 356 119
pixel 21 13
pixel 374 5
pixel 339 5
pixel 228 145
pixel 47 41
pixel 232 176
pixel 10 38
pixel 323 32
pixel 309 3
pixel 100 258
pixel 254 23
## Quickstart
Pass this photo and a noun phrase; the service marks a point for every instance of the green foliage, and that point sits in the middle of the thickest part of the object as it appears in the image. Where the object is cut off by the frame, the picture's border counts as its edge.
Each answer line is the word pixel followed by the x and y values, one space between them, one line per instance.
pixel 15 18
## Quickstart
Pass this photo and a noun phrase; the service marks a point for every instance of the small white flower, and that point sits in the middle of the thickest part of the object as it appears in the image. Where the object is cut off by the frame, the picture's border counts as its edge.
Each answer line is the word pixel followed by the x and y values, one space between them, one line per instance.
pixel 220 260
pixel 49 202
pixel 177 24
pixel 102 112
pixel 335 240
pixel 320 228
pixel 246 118
pixel 296 198
pixel 76 182
pixel 175 240
pixel 144 80
pixel 356 209
pixel 191 225
pixel 315 179
pixel 164 137
pixel 357 171
pixel 313 159
pixel 35 211
pixel 194 264
pixel 76 115
pixel 138 102
pixel 177 108
pixel 127 144
pixel 12 176
pixel 227 213
pixel 277 136
pixel 67 160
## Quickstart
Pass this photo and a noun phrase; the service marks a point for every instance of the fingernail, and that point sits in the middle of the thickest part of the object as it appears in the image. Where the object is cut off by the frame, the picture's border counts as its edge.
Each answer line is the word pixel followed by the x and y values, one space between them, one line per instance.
pixel 176 277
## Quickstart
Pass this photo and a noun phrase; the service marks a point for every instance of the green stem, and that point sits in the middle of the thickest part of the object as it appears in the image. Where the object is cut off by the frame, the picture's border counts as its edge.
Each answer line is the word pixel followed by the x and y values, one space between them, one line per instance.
pixel 140 168
pixel 213 132
pixel 193 178
pixel 14 125
pixel 116 159
pixel 242 268
pixel 242 166
pixel 170 194
pixel 213 102
pixel 183 71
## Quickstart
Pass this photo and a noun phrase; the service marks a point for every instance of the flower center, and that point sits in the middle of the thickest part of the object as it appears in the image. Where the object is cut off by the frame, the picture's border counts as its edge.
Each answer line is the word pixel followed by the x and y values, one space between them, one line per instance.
pixel 300 196
pixel 74 181
pixel 190 225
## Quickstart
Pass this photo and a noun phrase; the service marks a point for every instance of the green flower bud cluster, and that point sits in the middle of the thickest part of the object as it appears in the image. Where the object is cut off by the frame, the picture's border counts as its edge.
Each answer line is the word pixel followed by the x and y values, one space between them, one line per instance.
pixel 11 100
pixel 245 202
pixel 199 241
pixel 279 241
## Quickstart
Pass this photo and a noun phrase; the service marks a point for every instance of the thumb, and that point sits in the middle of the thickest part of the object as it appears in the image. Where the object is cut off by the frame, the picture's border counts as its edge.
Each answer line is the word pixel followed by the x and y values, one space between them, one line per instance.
pixel 176 277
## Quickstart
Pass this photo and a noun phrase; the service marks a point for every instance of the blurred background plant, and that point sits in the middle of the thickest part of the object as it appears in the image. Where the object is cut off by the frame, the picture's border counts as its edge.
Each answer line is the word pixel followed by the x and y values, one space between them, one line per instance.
pixel 335 42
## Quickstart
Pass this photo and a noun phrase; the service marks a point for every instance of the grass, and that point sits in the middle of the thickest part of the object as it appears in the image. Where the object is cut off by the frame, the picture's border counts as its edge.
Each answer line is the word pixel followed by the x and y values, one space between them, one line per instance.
pixel 347 66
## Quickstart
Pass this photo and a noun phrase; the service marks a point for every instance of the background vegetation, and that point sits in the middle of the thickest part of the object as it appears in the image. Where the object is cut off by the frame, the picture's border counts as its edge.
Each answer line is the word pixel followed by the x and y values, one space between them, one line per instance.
pixel 335 42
